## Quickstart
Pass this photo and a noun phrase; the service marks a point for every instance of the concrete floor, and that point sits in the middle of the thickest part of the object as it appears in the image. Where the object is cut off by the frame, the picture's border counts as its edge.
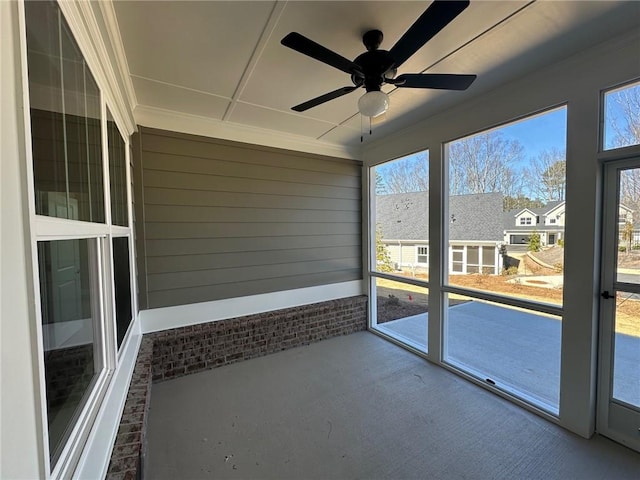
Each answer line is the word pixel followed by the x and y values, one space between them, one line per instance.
pixel 358 407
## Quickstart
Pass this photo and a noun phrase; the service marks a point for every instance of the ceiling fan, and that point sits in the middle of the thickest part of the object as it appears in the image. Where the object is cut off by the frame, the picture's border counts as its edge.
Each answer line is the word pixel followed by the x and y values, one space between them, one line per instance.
pixel 375 67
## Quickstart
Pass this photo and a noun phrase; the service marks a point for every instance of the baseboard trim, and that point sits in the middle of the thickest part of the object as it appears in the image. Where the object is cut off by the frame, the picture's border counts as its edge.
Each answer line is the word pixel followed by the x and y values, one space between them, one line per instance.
pixel 158 319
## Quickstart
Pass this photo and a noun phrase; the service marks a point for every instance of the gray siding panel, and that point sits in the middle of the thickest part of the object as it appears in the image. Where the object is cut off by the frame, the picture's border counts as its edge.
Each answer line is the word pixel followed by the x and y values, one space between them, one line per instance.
pixel 159 248
pixel 214 215
pixel 223 219
pixel 191 263
pixel 169 230
pixel 218 276
pixel 195 181
pixel 205 166
pixel 171 196
pixel 184 146
pixel 203 294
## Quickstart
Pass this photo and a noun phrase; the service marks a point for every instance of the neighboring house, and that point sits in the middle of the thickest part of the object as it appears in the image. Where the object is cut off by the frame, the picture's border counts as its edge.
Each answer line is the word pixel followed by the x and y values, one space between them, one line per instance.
pixel 475 231
pixel 547 221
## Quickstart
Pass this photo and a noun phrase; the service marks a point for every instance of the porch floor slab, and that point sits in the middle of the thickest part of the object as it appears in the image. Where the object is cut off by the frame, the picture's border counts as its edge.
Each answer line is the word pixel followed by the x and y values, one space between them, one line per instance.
pixel 358 406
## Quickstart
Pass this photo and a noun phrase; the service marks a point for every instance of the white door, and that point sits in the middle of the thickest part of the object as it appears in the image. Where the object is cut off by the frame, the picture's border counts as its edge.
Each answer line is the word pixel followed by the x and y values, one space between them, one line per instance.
pixel 619 368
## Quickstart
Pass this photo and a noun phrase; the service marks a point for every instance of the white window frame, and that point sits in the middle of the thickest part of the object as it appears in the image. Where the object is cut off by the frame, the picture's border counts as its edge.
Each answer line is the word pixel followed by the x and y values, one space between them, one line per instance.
pixel 45 228
pixel 418 254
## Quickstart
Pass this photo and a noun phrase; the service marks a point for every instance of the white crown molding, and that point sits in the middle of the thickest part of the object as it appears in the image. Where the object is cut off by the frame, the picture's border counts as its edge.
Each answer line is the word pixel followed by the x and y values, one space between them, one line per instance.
pixel 113 30
pixel 196 125
pixel 83 24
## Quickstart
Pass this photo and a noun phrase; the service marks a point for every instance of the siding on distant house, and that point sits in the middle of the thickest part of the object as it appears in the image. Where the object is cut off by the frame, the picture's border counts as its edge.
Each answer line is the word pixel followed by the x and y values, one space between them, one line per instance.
pixel 219 219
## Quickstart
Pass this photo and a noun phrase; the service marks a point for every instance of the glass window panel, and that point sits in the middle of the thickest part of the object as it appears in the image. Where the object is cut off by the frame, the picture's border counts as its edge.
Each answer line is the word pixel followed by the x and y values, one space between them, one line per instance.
pixel 65 119
pixel 628 264
pixel 401 311
pixel 401 206
pixel 122 281
pixel 626 358
pixel 504 186
pixel 622 117
pixel 514 349
pixel 70 332
pixel 472 255
pixel 117 174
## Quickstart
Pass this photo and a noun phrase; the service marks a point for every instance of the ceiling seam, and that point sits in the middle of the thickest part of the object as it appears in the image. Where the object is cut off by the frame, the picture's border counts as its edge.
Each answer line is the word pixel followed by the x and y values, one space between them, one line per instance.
pixel 468 42
pixel 267 31
pixel 296 115
pixel 182 87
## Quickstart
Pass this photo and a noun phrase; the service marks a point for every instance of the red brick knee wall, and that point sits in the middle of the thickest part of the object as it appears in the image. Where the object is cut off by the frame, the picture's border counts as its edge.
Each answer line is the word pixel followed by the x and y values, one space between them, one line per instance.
pixel 181 351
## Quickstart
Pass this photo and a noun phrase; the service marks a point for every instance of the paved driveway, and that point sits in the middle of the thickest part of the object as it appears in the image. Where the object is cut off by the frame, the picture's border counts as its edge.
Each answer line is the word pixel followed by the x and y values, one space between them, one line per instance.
pixel 519 351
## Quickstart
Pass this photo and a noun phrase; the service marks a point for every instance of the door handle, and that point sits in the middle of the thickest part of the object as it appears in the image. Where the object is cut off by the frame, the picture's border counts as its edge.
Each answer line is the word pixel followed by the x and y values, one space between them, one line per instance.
pixel 606 295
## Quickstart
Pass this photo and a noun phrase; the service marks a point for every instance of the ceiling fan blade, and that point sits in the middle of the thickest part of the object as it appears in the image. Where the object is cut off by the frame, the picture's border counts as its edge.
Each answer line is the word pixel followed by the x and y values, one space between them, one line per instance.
pixel 442 81
pixel 324 98
pixel 434 19
pixel 308 47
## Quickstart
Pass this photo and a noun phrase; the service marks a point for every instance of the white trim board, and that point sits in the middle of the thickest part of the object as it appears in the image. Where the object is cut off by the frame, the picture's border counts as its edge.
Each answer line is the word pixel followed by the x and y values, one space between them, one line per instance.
pixel 165 318
pixel 96 454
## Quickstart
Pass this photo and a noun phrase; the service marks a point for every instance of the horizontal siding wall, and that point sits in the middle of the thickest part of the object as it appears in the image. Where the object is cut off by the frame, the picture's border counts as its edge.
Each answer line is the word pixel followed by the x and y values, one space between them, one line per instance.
pixel 218 219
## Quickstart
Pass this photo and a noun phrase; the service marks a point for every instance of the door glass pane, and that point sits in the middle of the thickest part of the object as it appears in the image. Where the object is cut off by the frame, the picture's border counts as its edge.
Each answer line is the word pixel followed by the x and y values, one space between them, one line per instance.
pixel 65 119
pixel 626 358
pixel 401 311
pixel 622 117
pixel 70 333
pixel 628 263
pixel 513 349
pixel 401 211
pixel 122 281
pixel 117 174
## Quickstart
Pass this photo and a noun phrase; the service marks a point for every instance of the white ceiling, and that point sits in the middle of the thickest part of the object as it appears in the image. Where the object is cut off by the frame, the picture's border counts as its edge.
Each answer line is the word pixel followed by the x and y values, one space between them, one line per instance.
pixel 223 61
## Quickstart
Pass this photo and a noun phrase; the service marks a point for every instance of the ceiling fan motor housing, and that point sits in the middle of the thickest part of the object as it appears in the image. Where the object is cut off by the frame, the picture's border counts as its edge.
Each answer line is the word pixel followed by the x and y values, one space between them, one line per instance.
pixel 376 65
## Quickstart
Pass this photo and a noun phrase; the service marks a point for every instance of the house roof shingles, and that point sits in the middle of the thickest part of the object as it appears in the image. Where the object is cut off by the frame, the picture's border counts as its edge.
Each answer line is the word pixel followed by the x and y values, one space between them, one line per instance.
pixel 405 216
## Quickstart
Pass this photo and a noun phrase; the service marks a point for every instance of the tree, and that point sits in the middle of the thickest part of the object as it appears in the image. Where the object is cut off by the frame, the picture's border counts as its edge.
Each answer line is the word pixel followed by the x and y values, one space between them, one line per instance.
pixel 485 163
pixel 626 123
pixel 627 234
pixel 546 175
pixel 534 242
pixel 519 202
pixel 381 188
pixel 409 174
pixel 630 189
pixel 383 258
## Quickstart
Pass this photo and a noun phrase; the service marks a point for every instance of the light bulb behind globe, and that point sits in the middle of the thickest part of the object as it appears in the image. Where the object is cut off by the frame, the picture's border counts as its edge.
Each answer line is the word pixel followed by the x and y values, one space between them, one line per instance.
pixel 373 103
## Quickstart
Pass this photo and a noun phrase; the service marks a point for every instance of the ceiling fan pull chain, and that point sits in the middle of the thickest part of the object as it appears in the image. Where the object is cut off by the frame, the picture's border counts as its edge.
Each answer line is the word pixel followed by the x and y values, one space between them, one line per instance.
pixel 369 125
pixel 361 129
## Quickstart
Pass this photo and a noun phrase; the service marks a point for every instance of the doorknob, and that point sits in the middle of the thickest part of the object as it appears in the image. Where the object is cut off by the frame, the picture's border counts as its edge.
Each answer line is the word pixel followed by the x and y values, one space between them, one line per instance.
pixel 606 295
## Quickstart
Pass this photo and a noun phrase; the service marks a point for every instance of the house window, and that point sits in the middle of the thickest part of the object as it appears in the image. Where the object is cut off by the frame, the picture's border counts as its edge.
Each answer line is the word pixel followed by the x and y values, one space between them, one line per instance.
pixel 621 116
pixel 423 255
pixel 83 232
pixel 522 177
pixel 71 331
pixel 399 196
pixel 552 221
pixel 117 174
pixel 122 286
pixel 65 120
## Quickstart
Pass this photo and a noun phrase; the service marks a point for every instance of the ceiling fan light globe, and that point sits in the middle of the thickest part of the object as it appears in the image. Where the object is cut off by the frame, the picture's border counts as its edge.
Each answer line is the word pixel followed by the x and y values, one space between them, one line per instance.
pixel 374 103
